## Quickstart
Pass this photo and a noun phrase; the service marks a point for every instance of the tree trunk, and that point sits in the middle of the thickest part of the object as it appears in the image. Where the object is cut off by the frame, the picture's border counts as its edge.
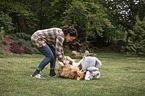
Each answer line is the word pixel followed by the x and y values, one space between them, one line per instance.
pixel 22 24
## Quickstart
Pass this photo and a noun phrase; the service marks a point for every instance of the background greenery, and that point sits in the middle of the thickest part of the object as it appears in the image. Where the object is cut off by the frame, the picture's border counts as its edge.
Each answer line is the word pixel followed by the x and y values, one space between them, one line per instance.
pixel 102 21
pixel 121 75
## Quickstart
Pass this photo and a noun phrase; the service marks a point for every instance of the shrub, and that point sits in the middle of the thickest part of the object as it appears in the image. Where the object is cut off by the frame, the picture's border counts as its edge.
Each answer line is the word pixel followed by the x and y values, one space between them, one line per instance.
pixel 21 36
pixel 1 34
pixel 16 48
pixel 23 40
pixel 27 50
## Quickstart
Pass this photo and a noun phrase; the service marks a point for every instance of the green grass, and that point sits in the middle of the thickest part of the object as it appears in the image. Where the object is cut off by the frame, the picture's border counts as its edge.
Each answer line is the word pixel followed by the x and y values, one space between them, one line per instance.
pixel 121 75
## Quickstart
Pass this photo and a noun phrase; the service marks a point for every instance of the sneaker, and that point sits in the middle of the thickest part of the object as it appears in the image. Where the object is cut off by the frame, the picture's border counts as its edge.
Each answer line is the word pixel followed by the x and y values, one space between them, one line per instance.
pixel 37 76
pixel 52 76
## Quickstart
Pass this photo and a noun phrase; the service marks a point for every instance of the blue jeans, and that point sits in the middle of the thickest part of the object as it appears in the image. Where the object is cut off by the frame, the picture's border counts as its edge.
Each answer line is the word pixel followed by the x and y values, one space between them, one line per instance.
pixel 50 56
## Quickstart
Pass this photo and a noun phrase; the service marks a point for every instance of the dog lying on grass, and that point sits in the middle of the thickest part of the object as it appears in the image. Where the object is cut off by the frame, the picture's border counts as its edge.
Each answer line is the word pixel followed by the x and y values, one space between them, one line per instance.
pixel 70 69
pixel 91 65
pixel 86 68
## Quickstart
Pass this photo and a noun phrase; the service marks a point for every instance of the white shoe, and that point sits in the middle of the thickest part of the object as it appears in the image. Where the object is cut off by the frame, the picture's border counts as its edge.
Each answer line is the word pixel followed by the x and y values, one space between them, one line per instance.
pixel 37 76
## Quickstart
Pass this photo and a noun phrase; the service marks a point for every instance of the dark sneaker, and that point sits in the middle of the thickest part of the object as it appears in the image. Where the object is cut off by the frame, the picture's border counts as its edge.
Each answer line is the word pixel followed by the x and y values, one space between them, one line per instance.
pixel 37 76
pixel 52 76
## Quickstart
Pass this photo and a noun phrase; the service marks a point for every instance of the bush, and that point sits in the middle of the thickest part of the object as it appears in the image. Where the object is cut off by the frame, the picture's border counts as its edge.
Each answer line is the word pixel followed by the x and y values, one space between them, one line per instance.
pixel 16 48
pixel 1 35
pixel 23 40
pixel 27 50
pixel 21 36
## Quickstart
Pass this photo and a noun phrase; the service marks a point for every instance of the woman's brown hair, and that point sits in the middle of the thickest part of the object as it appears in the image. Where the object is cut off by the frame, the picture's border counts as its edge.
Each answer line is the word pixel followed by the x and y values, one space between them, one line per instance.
pixel 69 29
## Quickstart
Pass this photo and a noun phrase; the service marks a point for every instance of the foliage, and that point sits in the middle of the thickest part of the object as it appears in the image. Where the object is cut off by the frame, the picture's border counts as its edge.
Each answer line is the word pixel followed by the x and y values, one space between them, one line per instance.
pixel 88 17
pixel 48 12
pixel 22 17
pixel 6 22
pixel 1 52
pixel 23 43
pixel 16 49
pixel 2 32
pixel 136 37
pixel 121 75
pixel 124 11
pixel 21 36
pixel 115 34
pixel 27 50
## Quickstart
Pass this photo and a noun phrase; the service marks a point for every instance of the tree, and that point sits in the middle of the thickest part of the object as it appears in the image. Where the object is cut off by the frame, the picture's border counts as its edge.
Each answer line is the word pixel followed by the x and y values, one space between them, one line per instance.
pixel 124 11
pixel 136 37
pixel 89 18
pixel 6 22
pixel 21 15
pixel 92 22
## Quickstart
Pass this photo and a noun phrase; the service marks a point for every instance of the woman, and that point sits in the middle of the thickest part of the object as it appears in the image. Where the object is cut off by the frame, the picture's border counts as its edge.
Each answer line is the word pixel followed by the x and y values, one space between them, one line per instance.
pixel 45 40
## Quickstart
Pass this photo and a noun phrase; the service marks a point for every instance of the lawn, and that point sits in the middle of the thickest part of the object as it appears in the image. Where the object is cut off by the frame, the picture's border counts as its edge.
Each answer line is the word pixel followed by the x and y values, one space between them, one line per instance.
pixel 121 75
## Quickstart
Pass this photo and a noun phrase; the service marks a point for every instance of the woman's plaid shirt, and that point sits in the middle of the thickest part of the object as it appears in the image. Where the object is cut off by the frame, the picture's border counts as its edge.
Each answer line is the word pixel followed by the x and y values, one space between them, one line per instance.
pixel 52 36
